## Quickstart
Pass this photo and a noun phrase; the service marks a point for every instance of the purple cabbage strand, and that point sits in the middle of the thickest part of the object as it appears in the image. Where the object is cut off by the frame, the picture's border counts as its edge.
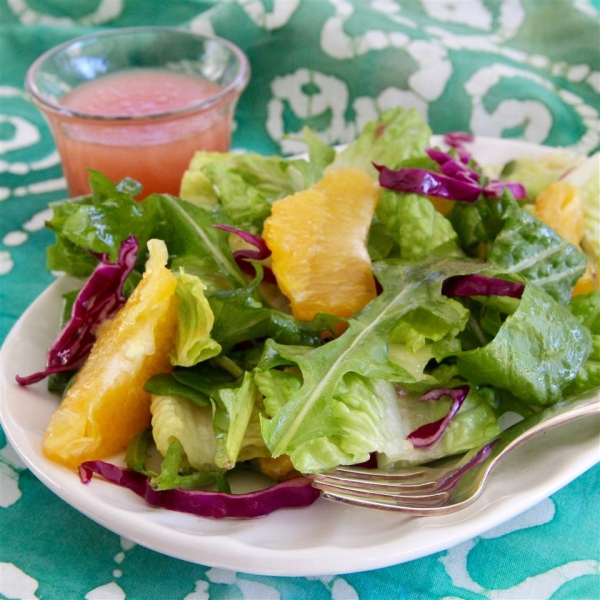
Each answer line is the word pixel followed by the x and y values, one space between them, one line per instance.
pixel 457 180
pixel 242 257
pixel 428 434
pixel 481 285
pixel 100 298
pixel 291 493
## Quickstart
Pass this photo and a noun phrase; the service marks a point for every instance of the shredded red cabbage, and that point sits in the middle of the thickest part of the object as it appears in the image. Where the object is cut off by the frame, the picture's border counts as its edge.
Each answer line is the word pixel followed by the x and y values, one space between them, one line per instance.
pixel 451 167
pixel 421 181
pixel 457 140
pixel 292 493
pixel 480 285
pixel 242 257
pixel 458 179
pixel 428 434
pixel 99 299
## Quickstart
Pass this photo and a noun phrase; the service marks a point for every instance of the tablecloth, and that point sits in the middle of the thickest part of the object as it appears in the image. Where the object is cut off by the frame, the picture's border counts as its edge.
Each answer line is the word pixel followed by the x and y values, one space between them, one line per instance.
pixel 506 68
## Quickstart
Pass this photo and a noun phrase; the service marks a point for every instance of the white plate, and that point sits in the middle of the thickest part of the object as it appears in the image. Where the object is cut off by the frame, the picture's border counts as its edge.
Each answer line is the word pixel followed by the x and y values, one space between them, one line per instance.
pixel 323 539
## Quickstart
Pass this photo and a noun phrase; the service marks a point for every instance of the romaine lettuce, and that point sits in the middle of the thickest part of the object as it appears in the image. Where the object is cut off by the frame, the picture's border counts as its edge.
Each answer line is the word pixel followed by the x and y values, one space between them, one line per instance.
pixel 537 351
pixel 397 134
pixel 503 233
pixel 193 343
pixel 417 228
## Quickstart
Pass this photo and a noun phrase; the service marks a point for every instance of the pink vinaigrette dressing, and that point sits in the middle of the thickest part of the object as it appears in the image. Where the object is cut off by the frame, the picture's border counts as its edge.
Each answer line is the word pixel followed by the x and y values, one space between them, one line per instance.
pixel 155 151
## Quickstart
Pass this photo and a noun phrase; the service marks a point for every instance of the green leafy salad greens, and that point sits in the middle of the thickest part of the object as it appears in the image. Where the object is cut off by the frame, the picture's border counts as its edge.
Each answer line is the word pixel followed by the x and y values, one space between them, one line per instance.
pixel 250 381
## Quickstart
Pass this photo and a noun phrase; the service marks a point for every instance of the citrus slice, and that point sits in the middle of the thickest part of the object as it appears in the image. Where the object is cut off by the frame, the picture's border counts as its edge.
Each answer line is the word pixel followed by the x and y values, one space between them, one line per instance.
pixel 106 407
pixel 317 238
pixel 559 206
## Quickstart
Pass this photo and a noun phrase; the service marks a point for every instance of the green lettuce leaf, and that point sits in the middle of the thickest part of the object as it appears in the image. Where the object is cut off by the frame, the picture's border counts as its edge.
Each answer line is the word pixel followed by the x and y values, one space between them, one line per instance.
pixel 473 425
pixel 308 413
pixel 364 413
pixel 397 134
pixel 320 156
pixel 232 409
pixel 537 351
pixel 193 343
pixel 586 178
pixel 586 309
pixel 417 228
pixel 536 174
pixel 519 243
pixel 210 417
pixel 243 185
pixel 241 316
pixel 99 223
pixel 175 417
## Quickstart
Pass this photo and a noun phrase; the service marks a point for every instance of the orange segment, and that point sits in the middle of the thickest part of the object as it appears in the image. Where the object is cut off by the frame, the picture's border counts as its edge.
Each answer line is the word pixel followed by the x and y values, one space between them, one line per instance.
pixel 559 206
pixel 107 406
pixel 317 238
pixel 586 283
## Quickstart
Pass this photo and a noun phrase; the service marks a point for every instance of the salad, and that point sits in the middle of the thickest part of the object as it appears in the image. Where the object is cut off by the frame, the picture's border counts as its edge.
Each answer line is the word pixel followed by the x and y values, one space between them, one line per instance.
pixel 189 345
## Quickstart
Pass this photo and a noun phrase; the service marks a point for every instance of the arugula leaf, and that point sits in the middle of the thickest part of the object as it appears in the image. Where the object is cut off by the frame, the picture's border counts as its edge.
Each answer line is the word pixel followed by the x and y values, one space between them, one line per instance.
pixel 362 349
pixel 232 410
pixel 195 244
pixel 241 316
pixel 166 384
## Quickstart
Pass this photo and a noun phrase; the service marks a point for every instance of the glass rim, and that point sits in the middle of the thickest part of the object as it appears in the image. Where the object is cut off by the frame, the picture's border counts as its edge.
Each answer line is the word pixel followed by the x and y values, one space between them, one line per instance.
pixel 234 88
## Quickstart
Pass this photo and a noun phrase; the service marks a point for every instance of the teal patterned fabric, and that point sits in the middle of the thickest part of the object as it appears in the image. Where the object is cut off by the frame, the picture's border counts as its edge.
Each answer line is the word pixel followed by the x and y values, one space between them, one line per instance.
pixel 524 69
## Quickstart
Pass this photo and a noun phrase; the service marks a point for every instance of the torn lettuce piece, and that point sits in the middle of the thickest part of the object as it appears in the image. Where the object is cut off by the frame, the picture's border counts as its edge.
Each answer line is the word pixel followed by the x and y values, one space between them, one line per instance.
pixel 241 316
pixel 363 414
pixel 176 418
pixel 193 343
pixel 586 308
pixel 99 223
pixel 416 226
pixel 472 426
pixel 195 186
pixel 397 134
pixel 537 351
pixel 427 332
pixel 361 349
pixel 243 185
pixel 232 409
pixel 505 234
pixel 320 155
pixel 212 435
pixel 253 445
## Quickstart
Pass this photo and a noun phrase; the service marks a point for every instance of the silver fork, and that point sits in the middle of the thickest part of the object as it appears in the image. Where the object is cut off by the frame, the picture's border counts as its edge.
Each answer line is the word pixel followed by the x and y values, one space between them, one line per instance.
pixel 452 484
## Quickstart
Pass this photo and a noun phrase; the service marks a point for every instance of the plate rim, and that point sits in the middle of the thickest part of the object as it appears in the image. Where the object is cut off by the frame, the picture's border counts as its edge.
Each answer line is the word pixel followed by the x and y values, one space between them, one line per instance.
pixel 231 552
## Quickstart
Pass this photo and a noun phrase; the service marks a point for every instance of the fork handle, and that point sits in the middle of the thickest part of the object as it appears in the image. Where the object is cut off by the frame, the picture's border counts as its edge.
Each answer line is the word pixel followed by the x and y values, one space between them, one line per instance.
pixel 563 412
